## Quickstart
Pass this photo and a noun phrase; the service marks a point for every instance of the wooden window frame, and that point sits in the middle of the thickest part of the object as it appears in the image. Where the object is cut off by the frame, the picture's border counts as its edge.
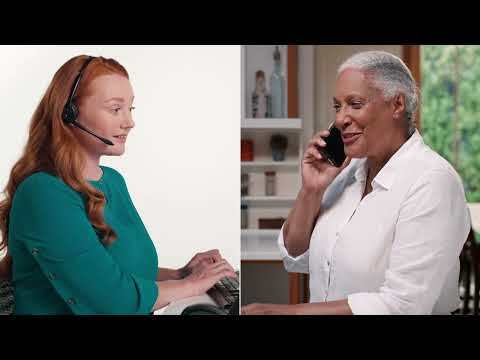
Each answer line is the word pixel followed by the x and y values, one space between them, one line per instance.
pixel 412 58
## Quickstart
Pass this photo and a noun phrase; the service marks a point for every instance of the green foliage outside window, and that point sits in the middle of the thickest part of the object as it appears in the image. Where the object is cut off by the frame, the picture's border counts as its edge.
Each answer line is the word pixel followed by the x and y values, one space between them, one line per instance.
pixel 450 109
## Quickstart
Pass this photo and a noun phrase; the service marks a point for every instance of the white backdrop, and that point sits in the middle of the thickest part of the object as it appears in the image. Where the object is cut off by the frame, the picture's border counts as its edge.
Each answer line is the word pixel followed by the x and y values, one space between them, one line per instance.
pixel 181 162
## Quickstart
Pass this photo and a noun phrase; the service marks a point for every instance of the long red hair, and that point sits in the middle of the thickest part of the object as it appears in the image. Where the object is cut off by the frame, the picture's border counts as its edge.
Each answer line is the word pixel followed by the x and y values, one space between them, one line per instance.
pixel 52 146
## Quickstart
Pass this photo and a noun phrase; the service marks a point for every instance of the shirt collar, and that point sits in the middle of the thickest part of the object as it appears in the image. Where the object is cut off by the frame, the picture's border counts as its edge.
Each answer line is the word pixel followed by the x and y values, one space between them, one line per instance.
pixel 361 172
pixel 386 176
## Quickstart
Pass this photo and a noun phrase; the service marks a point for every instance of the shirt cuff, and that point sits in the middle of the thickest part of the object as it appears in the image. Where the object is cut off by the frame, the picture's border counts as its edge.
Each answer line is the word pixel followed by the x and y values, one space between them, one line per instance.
pixel 292 263
pixel 367 304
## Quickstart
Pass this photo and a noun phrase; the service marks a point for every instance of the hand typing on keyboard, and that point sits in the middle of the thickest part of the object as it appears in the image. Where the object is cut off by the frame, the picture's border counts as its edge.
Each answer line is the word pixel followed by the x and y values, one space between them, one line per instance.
pixel 225 292
pixel 199 261
pixel 205 276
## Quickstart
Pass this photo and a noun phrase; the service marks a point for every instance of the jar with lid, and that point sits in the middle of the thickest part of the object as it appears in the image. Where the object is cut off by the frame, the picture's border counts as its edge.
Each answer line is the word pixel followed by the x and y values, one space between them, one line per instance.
pixel 244 216
pixel 270 180
pixel 245 179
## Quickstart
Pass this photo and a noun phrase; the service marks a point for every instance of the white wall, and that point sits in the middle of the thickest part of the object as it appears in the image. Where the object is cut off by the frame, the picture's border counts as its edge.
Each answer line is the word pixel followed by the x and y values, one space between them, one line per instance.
pixel 182 158
pixel 327 60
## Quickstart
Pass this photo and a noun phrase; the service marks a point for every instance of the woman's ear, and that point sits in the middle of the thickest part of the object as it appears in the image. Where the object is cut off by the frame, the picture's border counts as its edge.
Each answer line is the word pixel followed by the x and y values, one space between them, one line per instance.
pixel 398 105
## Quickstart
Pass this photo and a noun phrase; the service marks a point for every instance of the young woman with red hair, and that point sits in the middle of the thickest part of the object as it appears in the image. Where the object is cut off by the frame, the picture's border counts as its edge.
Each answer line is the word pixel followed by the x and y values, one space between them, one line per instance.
pixel 75 242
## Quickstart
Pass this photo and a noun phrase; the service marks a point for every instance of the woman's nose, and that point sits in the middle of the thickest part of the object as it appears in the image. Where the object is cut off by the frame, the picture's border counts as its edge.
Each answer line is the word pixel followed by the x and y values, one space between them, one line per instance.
pixel 128 122
pixel 342 119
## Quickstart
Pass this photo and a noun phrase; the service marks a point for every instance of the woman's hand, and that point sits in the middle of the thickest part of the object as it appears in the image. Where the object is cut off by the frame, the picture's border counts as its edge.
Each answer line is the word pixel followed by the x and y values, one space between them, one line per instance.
pixel 198 262
pixel 198 282
pixel 268 309
pixel 207 275
pixel 317 172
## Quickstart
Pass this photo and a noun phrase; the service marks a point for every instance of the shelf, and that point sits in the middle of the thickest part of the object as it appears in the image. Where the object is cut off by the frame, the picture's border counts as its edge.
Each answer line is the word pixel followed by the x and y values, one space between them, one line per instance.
pixel 260 244
pixel 260 233
pixel 268 201
pixel 260 166
pixel 272 124
pixel 261 255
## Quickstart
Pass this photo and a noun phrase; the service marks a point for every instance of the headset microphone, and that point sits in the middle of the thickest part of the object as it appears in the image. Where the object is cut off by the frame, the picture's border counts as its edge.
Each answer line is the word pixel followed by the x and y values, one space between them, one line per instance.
pixel 106 141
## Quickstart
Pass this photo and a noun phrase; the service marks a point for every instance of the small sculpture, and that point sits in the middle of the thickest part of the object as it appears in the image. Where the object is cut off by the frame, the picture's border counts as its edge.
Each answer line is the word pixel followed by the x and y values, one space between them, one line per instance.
pixel 261 99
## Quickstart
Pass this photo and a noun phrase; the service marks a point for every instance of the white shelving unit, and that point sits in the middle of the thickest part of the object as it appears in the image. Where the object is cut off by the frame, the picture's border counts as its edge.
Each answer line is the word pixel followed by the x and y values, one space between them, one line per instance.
pixel 260 244
pixel 261 255
pixel 269 201
pixel 261 166
pixel 260 233
pixel 272 124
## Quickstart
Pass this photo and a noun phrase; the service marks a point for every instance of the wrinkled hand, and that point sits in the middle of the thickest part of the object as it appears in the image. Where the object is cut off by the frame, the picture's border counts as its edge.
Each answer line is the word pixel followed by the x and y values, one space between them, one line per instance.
pixel 199 262
pixel 317 172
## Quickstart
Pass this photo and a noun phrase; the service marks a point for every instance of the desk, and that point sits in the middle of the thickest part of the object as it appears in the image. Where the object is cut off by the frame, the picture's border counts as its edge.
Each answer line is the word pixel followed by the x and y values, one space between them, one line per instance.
pixel 259 246
pixel 176 307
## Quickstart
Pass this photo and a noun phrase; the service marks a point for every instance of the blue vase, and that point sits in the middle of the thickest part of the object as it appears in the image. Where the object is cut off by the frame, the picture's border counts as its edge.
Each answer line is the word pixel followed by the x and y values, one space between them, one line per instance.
pixel 278 154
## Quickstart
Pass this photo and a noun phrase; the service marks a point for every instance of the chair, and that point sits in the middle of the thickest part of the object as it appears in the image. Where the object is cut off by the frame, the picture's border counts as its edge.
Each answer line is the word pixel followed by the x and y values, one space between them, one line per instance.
pixel 6 297
pixel 470 267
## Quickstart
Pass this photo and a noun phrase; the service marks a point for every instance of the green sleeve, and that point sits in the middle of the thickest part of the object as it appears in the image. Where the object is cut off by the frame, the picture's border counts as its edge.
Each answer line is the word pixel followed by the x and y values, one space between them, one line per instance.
pixel 56 231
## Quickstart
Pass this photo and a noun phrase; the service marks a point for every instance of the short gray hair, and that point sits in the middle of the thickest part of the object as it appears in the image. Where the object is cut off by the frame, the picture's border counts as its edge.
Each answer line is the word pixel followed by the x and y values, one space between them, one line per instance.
pixel 391 76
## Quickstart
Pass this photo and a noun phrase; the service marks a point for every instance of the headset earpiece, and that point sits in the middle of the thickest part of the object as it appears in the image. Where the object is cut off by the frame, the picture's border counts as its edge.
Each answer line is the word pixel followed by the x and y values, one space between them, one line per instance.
pixel 70 113
pixel 70 110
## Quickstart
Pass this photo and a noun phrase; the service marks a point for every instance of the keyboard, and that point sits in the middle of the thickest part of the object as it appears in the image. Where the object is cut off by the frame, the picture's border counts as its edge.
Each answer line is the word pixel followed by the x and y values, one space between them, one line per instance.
pixel 221 299
pixel 225 293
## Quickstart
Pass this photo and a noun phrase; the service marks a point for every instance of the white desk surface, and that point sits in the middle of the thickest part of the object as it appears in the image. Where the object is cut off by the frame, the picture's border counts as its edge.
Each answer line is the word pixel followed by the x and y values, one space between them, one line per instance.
pixel 176 308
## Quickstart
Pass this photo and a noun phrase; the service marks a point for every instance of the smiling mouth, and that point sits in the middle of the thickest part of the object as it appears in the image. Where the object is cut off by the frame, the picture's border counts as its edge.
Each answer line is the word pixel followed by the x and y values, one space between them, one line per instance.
pixel 350 138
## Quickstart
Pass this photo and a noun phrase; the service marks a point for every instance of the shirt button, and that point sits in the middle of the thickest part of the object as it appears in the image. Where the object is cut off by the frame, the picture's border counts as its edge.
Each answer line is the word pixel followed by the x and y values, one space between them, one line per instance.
pixel 52 276
pixel 35 251
pixel 71 301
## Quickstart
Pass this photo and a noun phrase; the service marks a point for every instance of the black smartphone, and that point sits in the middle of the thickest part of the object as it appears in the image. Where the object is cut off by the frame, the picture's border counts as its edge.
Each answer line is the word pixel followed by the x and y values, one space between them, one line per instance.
pixel 334 151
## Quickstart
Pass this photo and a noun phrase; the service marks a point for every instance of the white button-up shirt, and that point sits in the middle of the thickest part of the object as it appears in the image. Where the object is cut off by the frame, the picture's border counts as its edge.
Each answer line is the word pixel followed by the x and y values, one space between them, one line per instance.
pixel 397 250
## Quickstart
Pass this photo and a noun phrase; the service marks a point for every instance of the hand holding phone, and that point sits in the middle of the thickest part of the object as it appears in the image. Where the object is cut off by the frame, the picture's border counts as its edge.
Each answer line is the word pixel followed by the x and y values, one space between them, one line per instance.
pixel 323 160
pixel 333 152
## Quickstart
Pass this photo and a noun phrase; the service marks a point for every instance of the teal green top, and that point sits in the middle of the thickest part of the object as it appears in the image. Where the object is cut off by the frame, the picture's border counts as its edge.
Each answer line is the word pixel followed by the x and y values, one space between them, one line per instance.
pixel 60 266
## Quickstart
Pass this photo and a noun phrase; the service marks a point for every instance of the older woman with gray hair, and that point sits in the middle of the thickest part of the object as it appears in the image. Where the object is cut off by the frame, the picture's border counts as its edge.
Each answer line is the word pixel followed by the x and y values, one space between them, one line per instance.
pixel 381 234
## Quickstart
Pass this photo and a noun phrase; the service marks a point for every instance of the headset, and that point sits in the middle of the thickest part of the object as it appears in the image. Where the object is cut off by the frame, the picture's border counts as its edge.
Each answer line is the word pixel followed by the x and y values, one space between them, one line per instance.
pixel 70 110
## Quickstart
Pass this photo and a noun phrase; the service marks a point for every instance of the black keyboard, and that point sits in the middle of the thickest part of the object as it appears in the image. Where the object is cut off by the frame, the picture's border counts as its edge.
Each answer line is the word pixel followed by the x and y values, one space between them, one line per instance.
pixel 225 293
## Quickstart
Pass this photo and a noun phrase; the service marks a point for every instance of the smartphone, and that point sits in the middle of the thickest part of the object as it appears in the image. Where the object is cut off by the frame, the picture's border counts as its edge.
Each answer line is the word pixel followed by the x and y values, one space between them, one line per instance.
pixel 334 151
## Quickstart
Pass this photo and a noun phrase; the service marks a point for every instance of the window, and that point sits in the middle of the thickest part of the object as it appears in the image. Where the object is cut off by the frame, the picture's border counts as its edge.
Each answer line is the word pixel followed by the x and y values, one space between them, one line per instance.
pixel 450 109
